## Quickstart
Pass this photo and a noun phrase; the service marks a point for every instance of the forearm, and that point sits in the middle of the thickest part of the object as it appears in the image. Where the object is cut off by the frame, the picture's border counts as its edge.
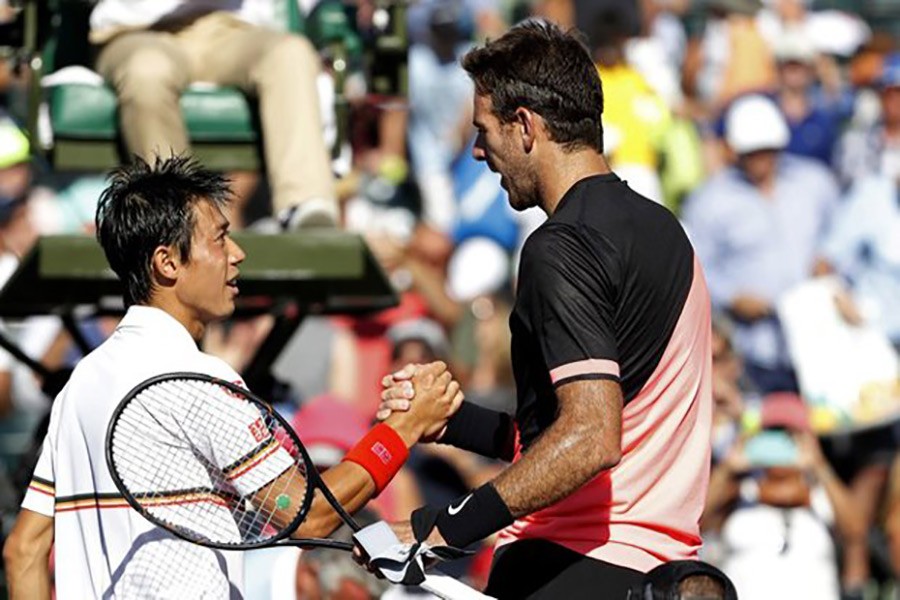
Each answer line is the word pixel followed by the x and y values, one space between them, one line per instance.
pixel 27 572
pixel 481 430
pixel 847 518
pixel 29 583
pixel 723 490
pixel 585 439
pixel 351 485
pixel 568 455
pixel 366 469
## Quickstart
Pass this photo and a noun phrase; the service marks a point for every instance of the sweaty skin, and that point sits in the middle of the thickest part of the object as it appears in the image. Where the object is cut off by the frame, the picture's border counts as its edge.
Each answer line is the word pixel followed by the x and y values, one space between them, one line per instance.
pixel 584 440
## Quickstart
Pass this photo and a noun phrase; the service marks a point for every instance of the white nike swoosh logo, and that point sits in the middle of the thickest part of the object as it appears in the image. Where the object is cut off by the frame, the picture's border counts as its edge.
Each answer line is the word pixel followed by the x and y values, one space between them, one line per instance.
pixel 455 509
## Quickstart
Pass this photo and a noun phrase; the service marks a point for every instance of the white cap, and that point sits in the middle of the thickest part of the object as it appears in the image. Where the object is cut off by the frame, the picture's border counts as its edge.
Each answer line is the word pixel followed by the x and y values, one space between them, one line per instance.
pixel 795 45
pixel 479 266
pixel 754 123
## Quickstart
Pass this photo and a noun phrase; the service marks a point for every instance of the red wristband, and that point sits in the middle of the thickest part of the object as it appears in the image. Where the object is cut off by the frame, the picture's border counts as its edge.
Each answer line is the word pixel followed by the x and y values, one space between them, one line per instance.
pixel 381 452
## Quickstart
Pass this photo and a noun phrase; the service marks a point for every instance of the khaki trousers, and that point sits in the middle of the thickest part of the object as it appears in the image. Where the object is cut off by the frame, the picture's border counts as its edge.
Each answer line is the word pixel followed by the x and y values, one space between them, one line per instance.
pixel 149 70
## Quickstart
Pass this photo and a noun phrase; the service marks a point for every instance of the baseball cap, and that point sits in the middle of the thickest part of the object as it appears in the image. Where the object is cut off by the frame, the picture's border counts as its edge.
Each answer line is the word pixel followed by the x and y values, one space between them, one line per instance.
pixel 795 46
pixel 754 123
pixel 784 410
pixel 424 330
pixel 890 71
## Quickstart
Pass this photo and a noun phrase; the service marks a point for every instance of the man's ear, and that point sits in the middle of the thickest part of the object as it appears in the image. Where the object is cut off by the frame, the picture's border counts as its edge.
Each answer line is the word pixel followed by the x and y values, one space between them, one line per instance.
pixel 526 124
pixel 166 263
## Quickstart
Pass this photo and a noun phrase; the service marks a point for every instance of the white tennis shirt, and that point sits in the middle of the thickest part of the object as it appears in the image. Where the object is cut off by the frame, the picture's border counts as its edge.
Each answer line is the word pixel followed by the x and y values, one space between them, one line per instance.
pixel 104 548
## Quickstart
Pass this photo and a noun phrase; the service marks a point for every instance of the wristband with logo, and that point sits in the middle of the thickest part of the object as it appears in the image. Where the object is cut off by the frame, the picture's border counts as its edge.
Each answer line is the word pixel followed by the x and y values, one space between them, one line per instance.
pixel 381 452
pixel 467 520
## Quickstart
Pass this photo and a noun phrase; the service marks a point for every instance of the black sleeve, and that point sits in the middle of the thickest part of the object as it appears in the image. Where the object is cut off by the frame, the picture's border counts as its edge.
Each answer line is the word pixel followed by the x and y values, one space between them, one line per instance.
pixel 567 295
pixel 481 430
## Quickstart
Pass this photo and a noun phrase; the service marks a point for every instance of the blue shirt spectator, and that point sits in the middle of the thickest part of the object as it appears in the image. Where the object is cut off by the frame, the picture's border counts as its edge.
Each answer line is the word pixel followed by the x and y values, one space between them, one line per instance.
pixel 759 245
pixel 864 247
pixel 816 134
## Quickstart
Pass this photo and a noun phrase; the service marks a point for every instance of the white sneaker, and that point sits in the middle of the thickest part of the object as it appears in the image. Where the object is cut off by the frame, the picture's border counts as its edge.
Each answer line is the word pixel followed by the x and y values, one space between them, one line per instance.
pixel 311 213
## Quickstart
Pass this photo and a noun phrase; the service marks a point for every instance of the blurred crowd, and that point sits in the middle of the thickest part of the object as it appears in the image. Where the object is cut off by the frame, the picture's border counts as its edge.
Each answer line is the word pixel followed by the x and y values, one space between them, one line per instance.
pixel 771 128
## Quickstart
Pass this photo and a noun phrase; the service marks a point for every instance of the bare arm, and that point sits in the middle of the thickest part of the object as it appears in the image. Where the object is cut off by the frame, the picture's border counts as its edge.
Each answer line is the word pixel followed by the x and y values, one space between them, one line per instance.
pixel 585 439
pixel 724 486
pixel 27 556
pixel 848 519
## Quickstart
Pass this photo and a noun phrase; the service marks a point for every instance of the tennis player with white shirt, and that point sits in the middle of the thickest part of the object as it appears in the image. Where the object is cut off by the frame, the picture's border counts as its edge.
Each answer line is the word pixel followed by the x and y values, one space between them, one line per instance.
pixel 165 236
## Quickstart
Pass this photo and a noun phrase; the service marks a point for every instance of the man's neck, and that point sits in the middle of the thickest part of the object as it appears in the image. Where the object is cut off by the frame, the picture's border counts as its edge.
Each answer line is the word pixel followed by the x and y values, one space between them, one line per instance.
pixel 557 175
pixel 194 326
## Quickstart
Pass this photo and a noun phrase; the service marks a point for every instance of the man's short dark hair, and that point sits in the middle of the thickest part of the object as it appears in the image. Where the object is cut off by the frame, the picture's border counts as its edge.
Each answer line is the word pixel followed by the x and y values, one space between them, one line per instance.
pixel 145 207
pixel 684 580
pixel 538 66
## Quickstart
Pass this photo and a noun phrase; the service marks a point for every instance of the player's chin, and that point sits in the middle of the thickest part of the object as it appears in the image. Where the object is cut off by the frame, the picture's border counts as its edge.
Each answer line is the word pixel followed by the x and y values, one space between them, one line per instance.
pixel 226 309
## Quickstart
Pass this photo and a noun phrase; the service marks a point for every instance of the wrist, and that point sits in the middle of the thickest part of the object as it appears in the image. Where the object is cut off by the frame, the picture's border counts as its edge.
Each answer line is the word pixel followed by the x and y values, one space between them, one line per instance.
pixel 381 452
pixel 408 430
pixel 468 519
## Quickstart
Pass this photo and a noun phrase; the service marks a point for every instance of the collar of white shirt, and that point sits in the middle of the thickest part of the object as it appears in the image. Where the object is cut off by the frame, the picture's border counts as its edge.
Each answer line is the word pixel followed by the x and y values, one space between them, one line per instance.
pixel 155 322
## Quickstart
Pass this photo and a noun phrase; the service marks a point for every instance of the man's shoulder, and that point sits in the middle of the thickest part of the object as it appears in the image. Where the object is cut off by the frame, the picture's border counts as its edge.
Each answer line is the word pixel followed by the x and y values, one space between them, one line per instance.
pixel 216 367
pixel 550 240
pixel 812 174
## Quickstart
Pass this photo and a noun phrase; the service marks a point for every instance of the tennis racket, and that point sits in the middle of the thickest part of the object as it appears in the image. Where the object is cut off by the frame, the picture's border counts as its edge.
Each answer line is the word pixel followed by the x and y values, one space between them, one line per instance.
pixel 215 465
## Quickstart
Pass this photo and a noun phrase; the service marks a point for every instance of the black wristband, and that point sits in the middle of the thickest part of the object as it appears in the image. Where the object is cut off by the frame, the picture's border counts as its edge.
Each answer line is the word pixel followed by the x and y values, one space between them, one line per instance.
pixel 473 517
pixel 481 430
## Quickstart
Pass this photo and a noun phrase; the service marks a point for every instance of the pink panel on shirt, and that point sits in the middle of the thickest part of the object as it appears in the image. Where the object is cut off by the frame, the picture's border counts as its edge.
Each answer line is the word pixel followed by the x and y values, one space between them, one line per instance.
pixel 591 366
pixel 654 497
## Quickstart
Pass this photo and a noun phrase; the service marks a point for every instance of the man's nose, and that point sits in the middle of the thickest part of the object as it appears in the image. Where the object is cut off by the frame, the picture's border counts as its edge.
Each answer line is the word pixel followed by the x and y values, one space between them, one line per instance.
pixel 237 253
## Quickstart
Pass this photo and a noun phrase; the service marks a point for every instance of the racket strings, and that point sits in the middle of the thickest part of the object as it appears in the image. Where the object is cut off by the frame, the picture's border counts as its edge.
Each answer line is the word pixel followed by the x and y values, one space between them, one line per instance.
pixel 208 463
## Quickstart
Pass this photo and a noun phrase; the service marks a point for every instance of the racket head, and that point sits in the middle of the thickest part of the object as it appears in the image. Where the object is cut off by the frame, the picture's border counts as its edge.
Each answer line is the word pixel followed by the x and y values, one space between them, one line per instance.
pixel 158 446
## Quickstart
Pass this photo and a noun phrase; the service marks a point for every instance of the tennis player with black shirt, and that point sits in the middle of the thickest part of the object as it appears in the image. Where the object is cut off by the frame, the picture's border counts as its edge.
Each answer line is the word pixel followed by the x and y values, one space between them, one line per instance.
pixel 610 443
pixel 165 235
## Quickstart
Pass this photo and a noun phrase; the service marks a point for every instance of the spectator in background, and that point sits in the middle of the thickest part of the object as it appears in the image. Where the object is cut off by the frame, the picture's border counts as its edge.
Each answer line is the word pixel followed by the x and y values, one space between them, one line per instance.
pixel 657 51
pixel 150 51
pixel 40 337
pixel 440 96
pixel 814 115
pixel 757 227
pixel 781 503
pixel 892 515
pixel 634 116
pixel 732 58
pixel 863 247
pixel 685 580
pixel 875 148
pixel 478 281
pixel 588 13
pixel 730 389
